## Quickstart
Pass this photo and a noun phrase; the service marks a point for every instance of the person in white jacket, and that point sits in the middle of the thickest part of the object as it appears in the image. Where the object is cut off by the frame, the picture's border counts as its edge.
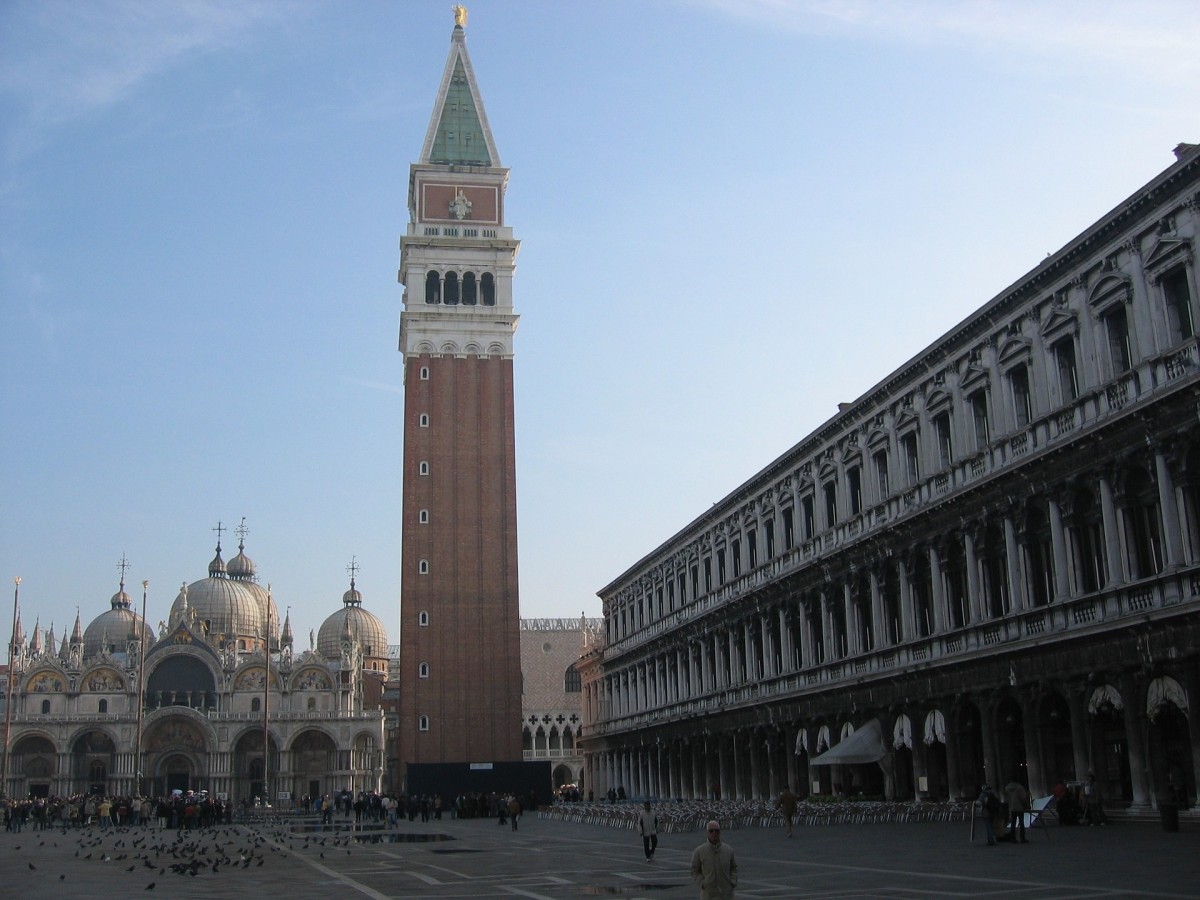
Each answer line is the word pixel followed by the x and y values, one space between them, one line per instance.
pixel 648 826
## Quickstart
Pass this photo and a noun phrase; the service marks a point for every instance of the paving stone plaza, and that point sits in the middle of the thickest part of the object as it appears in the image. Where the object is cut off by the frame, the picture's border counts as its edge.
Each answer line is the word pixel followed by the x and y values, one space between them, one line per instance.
pixel 478 859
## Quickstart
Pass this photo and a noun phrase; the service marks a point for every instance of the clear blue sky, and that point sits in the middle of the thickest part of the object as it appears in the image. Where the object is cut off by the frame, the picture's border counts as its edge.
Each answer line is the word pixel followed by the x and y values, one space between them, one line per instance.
pixel 733 215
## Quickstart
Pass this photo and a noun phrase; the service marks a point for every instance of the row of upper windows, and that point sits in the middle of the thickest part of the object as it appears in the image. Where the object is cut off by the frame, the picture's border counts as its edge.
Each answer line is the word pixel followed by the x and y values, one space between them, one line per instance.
pixel 1030 387
pixel 1090 558
pixel 467 289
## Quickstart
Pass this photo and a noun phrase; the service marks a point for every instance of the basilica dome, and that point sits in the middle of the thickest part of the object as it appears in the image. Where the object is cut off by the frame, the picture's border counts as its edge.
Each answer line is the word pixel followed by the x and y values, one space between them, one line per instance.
pixel 224 606
pixel 113 628
pixel 352 621
pixel 242 570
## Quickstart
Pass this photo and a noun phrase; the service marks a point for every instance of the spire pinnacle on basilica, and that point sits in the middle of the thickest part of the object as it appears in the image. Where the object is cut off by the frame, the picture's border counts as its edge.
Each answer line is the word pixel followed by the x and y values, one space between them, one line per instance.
pixel 459 134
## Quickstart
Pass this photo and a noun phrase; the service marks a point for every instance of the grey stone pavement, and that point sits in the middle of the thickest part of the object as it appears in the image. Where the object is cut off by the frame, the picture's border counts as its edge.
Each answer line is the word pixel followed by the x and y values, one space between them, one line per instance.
pixel 478 859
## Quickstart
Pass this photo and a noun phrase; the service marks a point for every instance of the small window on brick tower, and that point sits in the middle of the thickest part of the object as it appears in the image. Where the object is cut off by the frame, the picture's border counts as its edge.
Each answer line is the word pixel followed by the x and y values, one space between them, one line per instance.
pixel 423 467
pixel 424 420
pixel 423 517
pixel 423 567
pixel 423 723
pixel 423 618
pixel 424 373
pixel 423 670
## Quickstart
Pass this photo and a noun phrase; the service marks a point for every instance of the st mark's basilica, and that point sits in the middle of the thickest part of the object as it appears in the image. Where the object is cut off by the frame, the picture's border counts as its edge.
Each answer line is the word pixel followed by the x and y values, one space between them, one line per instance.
pixel 201 695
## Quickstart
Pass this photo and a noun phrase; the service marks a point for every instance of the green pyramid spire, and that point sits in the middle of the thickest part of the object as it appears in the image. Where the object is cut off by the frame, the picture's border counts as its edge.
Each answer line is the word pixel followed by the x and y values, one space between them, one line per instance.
pixel 458 130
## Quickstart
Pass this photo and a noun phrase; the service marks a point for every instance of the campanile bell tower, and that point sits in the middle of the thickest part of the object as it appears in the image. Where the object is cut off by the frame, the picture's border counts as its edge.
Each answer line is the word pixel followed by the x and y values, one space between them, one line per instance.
pixel 460 684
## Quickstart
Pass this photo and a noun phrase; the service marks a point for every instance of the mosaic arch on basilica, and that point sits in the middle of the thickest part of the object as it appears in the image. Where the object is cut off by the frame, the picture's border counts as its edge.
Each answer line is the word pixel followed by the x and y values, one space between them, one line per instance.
pixel 211 687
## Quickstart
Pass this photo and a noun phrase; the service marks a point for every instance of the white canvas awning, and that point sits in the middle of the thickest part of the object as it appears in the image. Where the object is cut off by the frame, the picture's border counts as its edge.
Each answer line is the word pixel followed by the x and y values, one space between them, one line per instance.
pixel 864 746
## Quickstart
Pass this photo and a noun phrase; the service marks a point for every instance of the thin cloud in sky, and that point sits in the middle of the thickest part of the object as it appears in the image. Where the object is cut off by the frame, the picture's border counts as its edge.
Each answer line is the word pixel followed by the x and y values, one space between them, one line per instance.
pixel 378 385
pixel 1153 37
pixel 81 58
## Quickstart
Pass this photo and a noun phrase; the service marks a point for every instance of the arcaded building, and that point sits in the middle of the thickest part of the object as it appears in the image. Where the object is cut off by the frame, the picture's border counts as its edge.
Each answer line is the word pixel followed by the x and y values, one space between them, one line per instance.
pixel 987 567
pixel 120 708
pixel 552 693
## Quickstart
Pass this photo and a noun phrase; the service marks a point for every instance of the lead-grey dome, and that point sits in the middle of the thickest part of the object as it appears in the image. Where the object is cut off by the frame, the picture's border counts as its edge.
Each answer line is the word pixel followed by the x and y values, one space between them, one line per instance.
pixel 225 607
pixel 114 627
pixel 241 569
pixel 352 621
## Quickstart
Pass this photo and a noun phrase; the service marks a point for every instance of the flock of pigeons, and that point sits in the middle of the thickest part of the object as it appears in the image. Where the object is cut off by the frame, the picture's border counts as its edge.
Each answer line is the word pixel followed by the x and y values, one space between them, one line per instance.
pixel 212 851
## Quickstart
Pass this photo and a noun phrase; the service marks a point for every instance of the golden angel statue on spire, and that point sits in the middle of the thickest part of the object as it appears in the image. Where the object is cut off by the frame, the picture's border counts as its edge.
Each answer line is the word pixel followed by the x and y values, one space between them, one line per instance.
pixel 460 15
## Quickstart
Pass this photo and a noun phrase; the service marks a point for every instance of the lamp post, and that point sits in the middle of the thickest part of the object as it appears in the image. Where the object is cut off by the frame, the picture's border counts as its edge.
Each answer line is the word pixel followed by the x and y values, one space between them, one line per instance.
pixel 12 641
pixel 141 694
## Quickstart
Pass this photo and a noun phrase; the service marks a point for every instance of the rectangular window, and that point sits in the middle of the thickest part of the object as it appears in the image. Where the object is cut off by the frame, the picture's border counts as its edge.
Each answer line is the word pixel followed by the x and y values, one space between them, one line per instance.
pixel 854 486
pixel 1116 327
pixel 1178 297
pixel 979 415
pixel 721 566
pixel 789 529
pixel 912 459
pixel 1018 379
pixel 881 473
pixel 830 504
pixel 1068 375
pixel 809 517
pixel 737 558
pixel 945 441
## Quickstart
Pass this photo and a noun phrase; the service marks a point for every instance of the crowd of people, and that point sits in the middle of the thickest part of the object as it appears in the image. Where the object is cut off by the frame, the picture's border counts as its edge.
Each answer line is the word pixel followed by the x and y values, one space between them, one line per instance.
pixel 179 810
pixel 200 809
pixel 1007 811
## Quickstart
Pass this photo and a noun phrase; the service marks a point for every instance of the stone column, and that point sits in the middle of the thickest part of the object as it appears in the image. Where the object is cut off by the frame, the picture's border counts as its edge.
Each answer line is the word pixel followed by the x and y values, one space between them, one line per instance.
pixel 1172 533
pixel 907 626
pixel 1133 692
pixel 733 655
pixel 974 595
pixel 1112 533
pixel 754 751
pixel 1012 556
pixel 828 630
pixel 727 770
pixel 853 641
pixel 878 620
pixel 939 590
pixel 787 653
pixel 750 667
pixel 806 650
pixel 764 629
pixel 1058 546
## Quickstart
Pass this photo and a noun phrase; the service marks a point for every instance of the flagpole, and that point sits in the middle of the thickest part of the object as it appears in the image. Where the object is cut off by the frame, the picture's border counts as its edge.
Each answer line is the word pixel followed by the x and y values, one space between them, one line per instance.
pixel 12 642
pixel 141 694
pixel 266 733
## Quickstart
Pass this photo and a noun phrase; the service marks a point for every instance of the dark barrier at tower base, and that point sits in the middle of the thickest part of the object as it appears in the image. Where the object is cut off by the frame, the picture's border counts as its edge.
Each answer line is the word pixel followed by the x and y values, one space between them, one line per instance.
pixel 452 779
